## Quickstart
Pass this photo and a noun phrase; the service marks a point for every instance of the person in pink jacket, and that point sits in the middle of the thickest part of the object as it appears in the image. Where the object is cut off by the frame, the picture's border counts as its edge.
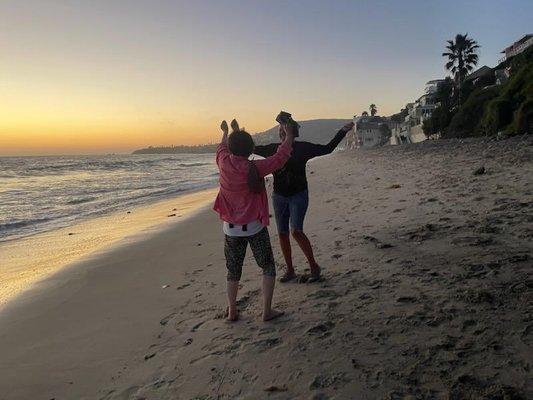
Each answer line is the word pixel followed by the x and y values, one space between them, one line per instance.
pixel 242 205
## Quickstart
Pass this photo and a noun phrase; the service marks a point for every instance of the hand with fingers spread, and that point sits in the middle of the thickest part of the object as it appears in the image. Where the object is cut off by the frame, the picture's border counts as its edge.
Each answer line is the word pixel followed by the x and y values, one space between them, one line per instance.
pixel 224 126
pixel 235 126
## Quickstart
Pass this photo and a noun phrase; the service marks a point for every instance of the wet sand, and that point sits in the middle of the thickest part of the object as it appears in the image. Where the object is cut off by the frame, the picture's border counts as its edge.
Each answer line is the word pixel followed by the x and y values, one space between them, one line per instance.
pixel 26 261
pixel 427 294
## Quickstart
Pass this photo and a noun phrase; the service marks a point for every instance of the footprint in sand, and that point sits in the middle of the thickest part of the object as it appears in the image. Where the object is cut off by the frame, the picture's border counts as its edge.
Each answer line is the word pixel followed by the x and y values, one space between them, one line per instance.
pixel 321 328
pixel 166 319
pixel 183 286
pixel 323 294
pixel 266 344
pixel 329 380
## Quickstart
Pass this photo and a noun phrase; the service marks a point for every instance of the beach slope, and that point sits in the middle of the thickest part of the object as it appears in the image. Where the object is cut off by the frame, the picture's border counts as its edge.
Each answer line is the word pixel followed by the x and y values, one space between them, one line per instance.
pixel 426 252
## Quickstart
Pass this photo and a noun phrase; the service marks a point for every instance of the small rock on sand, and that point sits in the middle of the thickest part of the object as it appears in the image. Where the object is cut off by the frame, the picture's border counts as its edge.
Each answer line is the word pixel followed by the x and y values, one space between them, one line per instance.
pixel 479 171
pixel 274 388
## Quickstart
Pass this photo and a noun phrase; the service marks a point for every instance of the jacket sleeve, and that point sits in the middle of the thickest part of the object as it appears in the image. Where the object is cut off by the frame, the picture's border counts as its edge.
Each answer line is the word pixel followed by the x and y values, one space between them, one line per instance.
pixel 222 152
pixel 276 161
pixel 316 150
pixel 266 150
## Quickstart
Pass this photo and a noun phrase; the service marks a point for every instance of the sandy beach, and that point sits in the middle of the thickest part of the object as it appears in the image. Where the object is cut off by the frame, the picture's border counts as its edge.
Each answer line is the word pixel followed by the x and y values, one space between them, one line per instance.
pixel 427 294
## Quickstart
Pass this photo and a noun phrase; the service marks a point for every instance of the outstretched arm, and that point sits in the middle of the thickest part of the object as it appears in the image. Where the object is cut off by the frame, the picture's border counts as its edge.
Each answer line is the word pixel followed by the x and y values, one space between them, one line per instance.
pixel 266 150
pixel 316 150
pixel 283 153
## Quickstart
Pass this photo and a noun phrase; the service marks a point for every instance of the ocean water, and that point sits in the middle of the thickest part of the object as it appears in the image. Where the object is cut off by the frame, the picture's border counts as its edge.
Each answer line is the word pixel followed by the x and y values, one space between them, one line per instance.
pixel 43 193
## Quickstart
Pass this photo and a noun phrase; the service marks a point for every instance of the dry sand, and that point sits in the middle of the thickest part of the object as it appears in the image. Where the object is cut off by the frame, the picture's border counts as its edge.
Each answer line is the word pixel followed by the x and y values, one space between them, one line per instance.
pixel 427 294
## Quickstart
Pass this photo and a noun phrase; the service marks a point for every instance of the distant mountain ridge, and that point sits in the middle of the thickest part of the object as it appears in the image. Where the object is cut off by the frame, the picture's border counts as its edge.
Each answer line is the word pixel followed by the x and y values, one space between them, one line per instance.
pixel 314 130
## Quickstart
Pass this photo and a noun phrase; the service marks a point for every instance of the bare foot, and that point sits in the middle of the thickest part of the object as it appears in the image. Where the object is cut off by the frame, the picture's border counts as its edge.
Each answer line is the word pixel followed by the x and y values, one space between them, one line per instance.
pixel 315 274
pixel 288 276
pixel 232 316
pixel 273 314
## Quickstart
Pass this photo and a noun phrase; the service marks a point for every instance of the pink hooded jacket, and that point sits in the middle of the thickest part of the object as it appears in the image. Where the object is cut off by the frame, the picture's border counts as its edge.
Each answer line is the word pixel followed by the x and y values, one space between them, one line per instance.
pixel 235 203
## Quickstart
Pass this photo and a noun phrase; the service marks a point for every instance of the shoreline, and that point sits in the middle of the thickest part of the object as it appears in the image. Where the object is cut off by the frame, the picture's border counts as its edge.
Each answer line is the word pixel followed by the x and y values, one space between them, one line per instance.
pixel 29 259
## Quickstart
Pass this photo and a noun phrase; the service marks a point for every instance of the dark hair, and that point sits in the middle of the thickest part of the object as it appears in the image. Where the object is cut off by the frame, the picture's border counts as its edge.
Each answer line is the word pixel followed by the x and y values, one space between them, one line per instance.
pixel 241 143
pixel 296 129
pixel 256 183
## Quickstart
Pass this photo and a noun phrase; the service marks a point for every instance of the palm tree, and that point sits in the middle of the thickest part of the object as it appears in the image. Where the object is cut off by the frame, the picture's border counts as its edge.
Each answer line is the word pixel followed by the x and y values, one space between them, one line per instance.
pixel 462 57
pixel 373 109
pixel 364 114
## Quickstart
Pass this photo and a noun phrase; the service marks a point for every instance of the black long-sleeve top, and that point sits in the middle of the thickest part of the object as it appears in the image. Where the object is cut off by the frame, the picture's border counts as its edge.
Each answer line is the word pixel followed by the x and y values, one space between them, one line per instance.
pixel 291 179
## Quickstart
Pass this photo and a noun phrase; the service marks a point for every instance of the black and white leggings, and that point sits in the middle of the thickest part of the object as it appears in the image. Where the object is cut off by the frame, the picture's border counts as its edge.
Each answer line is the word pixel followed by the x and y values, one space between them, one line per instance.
pixel 235 250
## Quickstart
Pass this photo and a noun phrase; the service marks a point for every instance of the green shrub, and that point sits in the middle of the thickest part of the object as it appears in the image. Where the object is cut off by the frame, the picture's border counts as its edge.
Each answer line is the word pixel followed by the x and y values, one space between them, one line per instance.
pixel 498 115
pixel 467 120
pixel 438 122
pixel 510 111
pixel 523 119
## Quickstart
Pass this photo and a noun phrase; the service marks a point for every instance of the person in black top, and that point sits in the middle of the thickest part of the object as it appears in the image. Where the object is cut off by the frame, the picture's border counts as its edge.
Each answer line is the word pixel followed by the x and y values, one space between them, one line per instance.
pixel 290 198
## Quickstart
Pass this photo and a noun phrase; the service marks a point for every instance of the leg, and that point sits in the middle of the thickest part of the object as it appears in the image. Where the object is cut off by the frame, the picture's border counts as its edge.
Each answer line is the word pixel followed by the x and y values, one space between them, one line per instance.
pixel 281 211
pixel 269 313
pixel 262 251
pixel 298 208
pixel 234 250
pixel 304 243
pixel 285 244
pixel 232 289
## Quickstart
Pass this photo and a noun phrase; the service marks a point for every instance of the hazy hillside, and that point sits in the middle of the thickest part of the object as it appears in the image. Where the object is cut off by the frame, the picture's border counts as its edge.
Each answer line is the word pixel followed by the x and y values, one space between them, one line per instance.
pixel 315 130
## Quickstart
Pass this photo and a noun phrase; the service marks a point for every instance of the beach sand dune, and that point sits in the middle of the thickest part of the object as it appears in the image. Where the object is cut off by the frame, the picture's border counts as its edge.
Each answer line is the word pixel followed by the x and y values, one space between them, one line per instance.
pixel 428 294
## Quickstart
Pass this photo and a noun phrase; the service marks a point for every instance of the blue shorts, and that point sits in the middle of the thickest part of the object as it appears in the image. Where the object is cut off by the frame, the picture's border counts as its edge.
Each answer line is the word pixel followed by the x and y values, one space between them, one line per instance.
pixel 290 209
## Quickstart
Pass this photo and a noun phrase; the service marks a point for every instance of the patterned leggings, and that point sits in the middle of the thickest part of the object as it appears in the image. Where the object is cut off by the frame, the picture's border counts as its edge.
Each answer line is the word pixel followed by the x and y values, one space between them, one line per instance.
pixel 235 250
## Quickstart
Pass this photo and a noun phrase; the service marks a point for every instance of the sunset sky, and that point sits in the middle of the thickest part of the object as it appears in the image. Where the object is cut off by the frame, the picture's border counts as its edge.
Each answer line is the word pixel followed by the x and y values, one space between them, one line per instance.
pixel 111 76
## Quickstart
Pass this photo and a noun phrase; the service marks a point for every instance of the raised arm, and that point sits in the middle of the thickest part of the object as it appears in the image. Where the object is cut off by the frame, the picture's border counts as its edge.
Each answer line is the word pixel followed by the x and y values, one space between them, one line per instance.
pixel 278 160
pixel 222 149
pixel 224 127
pixel 316 150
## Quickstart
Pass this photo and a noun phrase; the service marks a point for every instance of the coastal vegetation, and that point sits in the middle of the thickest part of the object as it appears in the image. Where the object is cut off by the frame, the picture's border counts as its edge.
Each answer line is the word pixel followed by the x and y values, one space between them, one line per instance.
pixel 482 107
pixel 511 111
